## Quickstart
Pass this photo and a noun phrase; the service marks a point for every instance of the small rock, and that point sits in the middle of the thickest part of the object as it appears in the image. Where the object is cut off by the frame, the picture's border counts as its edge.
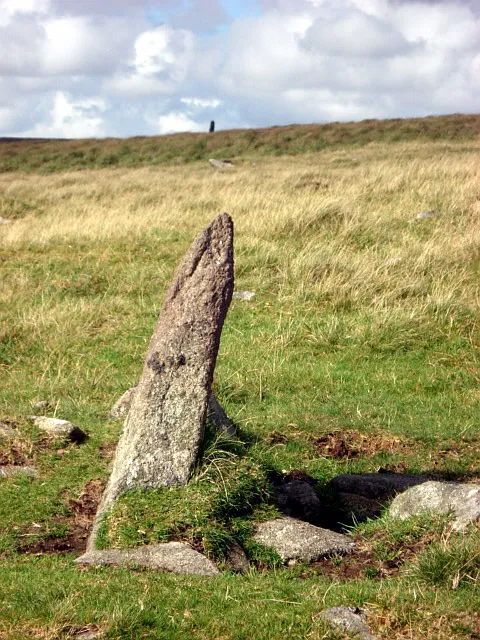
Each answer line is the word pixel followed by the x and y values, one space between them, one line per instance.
pixel 4 220
pixel 6 431
pixel 443 498
pixel 243 295
pixel 88 633
pixel 216 413
pixel 122 405
pixel 220 164
pixel 175 557
pixel 41 405
pixel 60 428
pixel 237 559
pixel 296 540
pixel 11 471
pixel 393 261
pixel 425 215
pixel 348 619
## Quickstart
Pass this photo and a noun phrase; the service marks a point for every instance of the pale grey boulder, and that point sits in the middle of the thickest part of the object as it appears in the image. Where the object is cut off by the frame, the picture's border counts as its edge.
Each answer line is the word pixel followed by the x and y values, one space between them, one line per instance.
pixel 351 620
pixel 165 425
pixel 59 428
pixel 220 164
pixel 461 501
pixel 175 557
pixel 295 540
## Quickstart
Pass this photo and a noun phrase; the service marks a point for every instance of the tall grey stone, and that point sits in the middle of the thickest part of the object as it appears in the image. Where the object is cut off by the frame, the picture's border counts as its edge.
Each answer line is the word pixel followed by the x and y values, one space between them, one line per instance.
pixel 165 425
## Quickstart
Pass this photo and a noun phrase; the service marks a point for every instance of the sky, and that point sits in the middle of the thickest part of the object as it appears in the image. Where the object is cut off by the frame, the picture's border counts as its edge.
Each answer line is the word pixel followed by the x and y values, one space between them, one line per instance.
pixel 96 68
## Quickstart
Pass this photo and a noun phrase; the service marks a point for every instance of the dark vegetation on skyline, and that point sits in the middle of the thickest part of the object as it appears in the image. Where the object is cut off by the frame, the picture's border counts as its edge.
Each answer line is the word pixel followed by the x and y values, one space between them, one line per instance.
pixel 48 156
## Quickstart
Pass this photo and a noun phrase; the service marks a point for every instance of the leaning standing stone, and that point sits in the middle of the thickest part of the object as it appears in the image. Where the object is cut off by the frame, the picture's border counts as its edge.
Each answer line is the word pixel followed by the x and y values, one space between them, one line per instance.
pixel 164 428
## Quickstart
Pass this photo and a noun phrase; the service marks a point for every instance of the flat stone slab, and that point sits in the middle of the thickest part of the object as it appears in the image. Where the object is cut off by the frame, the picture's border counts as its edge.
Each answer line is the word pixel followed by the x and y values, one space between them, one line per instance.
pixel 175 557
pixel 296 540
pixel 12 471
pixel 462 501
pixel 59 428
pixel 348 619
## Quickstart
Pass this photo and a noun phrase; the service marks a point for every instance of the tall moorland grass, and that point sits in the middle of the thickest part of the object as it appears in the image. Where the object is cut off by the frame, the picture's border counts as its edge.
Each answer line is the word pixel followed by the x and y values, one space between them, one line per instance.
pixel 365 318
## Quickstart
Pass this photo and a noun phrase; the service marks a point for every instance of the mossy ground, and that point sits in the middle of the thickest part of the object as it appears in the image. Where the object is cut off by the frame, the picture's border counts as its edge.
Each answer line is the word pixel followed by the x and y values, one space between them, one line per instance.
pixel 364 323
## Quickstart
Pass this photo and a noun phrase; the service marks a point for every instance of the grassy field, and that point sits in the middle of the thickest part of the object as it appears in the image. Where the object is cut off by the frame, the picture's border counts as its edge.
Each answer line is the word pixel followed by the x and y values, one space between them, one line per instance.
pixel 364 327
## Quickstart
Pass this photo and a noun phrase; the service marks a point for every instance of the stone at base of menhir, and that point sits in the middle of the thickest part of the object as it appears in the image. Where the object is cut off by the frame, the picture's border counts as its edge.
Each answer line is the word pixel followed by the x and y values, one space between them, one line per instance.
pixel 296 540
pixel 174 557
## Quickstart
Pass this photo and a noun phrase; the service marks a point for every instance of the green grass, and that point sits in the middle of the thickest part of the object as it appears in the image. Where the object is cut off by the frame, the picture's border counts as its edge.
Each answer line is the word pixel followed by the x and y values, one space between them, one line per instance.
pixel 364 321
pixel 47 156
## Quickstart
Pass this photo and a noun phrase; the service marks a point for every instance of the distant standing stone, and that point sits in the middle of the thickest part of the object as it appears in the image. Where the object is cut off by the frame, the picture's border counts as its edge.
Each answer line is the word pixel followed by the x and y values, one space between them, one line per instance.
pixel 460 500
pixel 176 557
pixel 297 540
pixel 348 619
pixel 59 428
pixel 164 428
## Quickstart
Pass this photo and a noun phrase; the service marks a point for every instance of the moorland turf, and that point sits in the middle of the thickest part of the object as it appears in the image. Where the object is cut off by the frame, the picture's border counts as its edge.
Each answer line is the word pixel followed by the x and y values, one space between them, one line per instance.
pixel 359 351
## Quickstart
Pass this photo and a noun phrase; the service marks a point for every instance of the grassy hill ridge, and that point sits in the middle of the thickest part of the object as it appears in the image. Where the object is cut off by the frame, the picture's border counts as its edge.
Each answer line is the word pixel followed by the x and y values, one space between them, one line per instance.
pixel 52 155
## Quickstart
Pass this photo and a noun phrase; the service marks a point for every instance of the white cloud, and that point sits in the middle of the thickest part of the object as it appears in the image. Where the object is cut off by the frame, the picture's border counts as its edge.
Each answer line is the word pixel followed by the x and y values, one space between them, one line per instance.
pixel 10 8
pixel 354 34
pixel 176 122
pixel 163 51
pixel 76 45
pixel 201 103
pixel 94 68
pixel 160 62
pixel 70 118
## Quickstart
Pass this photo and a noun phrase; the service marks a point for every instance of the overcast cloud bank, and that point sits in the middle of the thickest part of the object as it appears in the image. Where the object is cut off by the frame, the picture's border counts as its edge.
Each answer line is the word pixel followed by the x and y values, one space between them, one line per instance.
pixel 120 67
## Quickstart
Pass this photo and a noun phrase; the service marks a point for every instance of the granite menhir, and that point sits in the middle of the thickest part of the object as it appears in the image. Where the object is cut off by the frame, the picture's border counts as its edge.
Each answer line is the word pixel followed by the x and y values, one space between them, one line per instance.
pixel 164 428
